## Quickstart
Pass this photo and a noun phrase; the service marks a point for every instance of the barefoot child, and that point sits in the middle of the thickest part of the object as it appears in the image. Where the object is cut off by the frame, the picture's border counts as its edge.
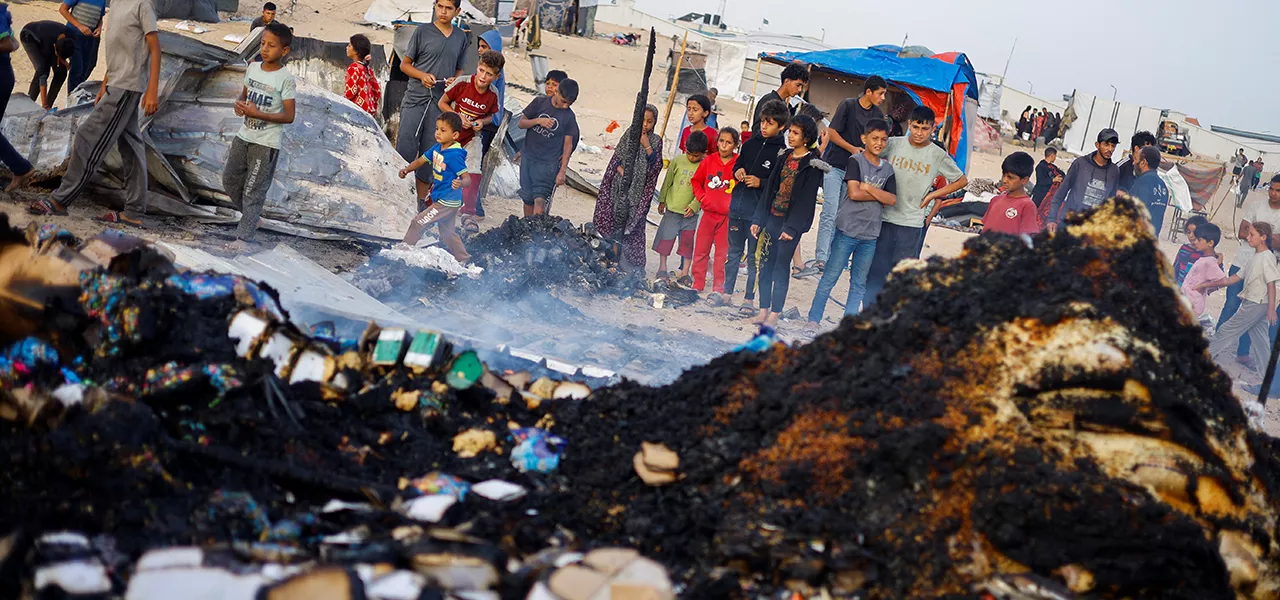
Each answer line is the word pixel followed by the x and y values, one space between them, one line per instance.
pixel 713 186
pixel 362 84
pixel 677 206
pixel 448 162
pixel 267 105
pixel 785 212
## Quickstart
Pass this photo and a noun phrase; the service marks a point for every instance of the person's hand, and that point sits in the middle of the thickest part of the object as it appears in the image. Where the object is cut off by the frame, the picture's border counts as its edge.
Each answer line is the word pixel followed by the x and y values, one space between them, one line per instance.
pixel 458 181
pixel 466 121
pixel 949 202
pixel 150 102
pixel 448 81
pixel 1053 228
pixel 857 150
pixel 927 199
pixel 102 91
pixel 662 208
pixel 62 62
pixel 753 181
pixel 1057 179
pixel 546 122
pixel 688 211
pixel 560 178
pixel 244 108
pixel 755 231
pixel 97 32
pixel 784 236
pixel 620 170
pixel 428 80
pixel 84 30
pixel 1271 316
pixel 644 143
pixel 740 175
pixel 405 172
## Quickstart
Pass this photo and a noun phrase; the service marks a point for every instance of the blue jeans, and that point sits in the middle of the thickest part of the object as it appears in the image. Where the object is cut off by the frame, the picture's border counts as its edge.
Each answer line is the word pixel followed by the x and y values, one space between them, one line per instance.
pixel 843 248
pixel 834 191
pixel 83 61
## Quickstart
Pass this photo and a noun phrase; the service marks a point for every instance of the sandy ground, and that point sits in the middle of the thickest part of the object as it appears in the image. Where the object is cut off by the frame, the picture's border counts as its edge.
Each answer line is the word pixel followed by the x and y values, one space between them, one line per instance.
pixel 610 77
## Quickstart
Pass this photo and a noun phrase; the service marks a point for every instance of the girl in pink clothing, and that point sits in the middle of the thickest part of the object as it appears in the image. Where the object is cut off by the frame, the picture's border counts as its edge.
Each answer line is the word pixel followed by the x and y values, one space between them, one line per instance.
pixel 1205 268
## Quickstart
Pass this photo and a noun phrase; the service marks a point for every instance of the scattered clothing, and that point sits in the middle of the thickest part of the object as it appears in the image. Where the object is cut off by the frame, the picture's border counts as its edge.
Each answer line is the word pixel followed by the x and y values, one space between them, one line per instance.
pixel 1011 215
pixel 1205 269
pixel 362 87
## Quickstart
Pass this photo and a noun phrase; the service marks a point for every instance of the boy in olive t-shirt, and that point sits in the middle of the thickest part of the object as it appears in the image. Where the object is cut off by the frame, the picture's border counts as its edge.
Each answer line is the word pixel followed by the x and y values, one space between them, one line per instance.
pixel 267 104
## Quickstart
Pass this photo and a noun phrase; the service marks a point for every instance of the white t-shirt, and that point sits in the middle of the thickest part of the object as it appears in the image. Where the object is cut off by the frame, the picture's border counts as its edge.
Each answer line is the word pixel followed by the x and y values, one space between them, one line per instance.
pixel 915 170
pixel 1258 210
pixel 1257 273
pixel 268 91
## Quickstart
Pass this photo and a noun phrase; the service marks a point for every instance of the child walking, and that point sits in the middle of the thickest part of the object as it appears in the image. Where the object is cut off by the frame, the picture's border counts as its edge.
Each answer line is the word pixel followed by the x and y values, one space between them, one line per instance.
pixel 713 187
pixel 1257 312
pixel 753 166
pixel 678 206
pixel 448 162
pixel 785 212
pixel 1206 268
pixel 1013 212
pixel 362 84
pixel 267 105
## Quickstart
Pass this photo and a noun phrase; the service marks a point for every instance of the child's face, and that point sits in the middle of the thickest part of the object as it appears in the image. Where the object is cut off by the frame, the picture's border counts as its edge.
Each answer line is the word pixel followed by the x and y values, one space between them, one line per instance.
pixel 696 157
pixel 696 114
pixel 920 132
pixel 875 141
pixel 726 145
pixel 558 101
pixel 553 86
pixel 1203 245
pixel 1052 158
pixel 485 75
pixel 650 121
pixel 1191 232
pixel 795 136
pixel 770 128
pixel 445 11
pixel 481 46
pixel 268 16
pixel 1012 182
pixel 745 126
pixel 272 49
pixel 445 135
pixel 1255 239
pixel 351 52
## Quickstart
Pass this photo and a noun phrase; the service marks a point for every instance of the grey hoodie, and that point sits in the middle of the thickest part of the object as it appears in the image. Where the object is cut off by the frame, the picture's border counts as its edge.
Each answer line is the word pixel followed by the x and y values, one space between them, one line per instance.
pixel 1085 186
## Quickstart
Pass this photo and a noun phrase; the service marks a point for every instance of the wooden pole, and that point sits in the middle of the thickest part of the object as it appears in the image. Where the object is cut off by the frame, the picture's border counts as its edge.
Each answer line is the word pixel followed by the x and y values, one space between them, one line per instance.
pixel 675 82
pixel 751 105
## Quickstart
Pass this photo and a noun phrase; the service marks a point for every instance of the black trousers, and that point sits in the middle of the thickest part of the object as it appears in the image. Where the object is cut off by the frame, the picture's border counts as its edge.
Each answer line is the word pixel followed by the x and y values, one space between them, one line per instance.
pixel 740 241
pixel 775 274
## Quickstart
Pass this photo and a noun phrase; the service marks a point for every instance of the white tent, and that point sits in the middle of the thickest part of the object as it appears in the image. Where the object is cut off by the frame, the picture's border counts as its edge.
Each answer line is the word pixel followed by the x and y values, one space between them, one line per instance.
pixel 387 12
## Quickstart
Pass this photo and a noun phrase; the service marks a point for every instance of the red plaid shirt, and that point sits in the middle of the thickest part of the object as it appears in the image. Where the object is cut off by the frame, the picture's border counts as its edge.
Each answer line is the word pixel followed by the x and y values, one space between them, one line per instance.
pixel 362 87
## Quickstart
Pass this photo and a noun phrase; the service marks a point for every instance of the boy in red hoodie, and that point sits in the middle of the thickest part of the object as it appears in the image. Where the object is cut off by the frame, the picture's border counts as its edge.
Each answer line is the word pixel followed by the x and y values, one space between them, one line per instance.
pixel 713 188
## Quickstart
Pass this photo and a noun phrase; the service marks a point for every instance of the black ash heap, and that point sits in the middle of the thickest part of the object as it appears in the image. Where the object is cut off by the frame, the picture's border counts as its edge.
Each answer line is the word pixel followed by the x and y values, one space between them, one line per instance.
pixel 1023 421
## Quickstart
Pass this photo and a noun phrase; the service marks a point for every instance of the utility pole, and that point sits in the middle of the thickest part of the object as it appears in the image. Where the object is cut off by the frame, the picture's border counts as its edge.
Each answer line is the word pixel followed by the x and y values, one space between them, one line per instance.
pixel 1006 63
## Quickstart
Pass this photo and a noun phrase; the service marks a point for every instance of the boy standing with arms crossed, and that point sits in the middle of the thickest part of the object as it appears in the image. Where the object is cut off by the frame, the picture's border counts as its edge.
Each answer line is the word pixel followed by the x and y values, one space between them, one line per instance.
pixel 267 104
pixel 916 163
pixel 133 48
pixel 553 134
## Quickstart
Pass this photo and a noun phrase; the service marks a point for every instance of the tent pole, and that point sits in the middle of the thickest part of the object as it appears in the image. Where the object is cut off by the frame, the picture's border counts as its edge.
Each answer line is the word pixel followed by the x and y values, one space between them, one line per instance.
pixel 675 82
pixel 751 105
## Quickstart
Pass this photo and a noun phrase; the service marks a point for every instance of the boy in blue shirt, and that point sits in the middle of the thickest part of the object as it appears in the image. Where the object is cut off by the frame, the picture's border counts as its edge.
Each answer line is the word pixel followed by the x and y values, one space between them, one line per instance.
pixel 448 164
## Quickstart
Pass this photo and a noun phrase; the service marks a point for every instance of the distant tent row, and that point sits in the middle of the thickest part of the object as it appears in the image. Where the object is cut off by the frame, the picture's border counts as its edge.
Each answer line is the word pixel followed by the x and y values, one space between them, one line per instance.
pixel 205 11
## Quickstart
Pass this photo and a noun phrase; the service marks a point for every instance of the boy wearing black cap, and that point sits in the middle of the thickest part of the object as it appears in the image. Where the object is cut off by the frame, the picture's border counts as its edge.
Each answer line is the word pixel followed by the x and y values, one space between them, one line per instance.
pixel 552 136
pixel 1089 181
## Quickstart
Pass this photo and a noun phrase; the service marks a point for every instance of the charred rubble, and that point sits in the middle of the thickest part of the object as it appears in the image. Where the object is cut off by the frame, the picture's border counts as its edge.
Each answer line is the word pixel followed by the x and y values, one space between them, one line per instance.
pixel 1027 420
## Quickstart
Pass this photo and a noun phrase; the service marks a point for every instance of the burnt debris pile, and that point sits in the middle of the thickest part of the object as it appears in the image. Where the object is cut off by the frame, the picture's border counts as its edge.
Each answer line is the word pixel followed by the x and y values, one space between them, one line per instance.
pixel 1018 420
pixel 519 256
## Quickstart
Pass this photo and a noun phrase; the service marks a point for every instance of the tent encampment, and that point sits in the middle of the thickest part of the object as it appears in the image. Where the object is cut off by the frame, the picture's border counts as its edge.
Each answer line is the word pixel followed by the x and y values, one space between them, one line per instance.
pixel 205 11
pixel 941 82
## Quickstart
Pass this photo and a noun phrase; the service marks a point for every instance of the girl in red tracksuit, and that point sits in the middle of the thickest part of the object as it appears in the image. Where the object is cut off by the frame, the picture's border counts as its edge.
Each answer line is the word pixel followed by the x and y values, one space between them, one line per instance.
pixel 713 188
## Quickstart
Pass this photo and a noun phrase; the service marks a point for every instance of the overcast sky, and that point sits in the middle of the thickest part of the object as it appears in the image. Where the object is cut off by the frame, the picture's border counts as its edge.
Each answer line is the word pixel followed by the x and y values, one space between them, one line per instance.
pixel 1212 59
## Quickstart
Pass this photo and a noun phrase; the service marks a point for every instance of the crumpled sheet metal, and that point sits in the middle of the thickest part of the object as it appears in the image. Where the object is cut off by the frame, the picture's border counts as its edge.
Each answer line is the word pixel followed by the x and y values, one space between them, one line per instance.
pixel 336 169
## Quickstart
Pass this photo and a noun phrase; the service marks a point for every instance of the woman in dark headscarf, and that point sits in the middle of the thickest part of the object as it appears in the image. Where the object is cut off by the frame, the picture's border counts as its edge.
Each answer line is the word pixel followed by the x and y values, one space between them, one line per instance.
pixel 621 214
pixel 1024 122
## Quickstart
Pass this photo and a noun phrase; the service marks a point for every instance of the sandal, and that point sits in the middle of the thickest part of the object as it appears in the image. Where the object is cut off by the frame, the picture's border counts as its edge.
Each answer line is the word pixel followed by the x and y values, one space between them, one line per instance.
pixel 117 217
pixel 747 310
pixel 46 208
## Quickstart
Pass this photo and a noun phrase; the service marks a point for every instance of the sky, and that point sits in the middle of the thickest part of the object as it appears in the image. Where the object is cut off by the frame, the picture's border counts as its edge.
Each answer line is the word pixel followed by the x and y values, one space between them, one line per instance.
pixel 1209 59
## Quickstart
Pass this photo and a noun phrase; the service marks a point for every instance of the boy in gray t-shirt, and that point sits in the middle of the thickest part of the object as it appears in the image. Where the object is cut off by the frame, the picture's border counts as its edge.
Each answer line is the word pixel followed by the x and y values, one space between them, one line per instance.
pixel 871 185
pixel 267 104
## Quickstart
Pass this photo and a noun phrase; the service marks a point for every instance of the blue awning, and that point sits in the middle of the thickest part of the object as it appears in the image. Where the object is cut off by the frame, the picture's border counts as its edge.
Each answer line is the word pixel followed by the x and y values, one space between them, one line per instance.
pixel 928 73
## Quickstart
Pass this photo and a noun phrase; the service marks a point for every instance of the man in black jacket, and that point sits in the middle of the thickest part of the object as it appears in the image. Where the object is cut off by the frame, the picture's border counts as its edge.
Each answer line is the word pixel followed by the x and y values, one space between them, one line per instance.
pixel 49 45
pixel 1128 167
pixel 1047 174
pixel 794 78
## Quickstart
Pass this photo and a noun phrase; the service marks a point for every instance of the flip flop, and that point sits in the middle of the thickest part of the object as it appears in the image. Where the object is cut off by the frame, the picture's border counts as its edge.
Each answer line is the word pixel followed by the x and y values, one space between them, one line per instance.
pixel 117 217
pixel 45 208
pixel 747 310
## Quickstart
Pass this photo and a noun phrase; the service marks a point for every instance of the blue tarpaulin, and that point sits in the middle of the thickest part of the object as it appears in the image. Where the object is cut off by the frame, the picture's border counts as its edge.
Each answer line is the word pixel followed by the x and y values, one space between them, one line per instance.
pixel 929 73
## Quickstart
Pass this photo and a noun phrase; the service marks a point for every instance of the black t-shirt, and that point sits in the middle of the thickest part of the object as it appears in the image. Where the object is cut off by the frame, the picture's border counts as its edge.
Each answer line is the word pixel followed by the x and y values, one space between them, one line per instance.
pixel 850 121
pixel 773 95
pixel 45 34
